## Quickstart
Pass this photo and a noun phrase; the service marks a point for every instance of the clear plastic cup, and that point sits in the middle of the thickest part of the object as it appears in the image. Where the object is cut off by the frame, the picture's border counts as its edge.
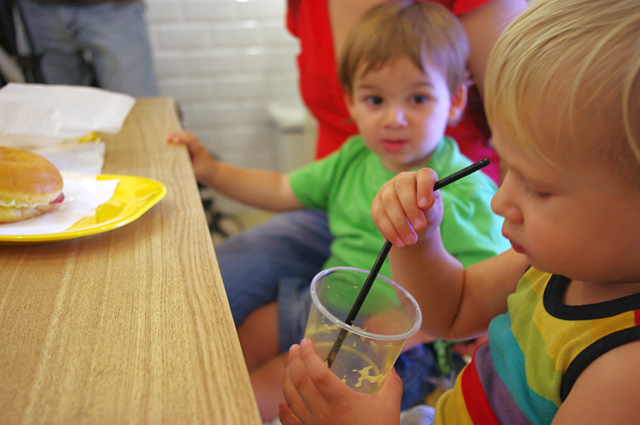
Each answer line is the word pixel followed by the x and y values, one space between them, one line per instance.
pixel 388 317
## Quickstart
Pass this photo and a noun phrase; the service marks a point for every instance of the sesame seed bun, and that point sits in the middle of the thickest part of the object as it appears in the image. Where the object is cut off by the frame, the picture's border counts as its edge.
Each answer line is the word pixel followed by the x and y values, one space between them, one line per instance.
pixel 29 185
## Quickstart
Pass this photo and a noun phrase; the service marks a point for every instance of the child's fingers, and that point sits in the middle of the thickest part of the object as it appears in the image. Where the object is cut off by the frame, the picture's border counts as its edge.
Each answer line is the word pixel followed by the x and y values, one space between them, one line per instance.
pixel 174 139
pixel 406 187
pixel 299 391
pixel 384 223
pixel 426 178
pixel 429 201
pixel 388 211
pixel 179 136
pixel 286 416
pixel 294 402
pixel 325 382
pixel 398 197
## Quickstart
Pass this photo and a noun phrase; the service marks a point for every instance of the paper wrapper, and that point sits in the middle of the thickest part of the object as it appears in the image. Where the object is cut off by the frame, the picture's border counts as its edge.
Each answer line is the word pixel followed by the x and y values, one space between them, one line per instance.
pixel 38 115
pixel 50 120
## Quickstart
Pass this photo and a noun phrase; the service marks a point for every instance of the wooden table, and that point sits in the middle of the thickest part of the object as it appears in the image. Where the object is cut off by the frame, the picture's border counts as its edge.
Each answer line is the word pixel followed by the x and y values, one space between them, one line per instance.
pixel 128 326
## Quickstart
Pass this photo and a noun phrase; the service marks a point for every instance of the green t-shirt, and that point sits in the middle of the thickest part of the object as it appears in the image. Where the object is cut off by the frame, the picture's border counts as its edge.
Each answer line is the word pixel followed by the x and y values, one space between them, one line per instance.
pixel 344 184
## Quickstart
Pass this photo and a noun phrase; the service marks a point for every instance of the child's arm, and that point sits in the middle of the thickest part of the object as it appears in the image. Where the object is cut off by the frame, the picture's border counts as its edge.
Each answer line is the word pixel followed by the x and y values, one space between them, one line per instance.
pixel 457 303
pixel 316 395
pixel 607 392
pixel 259 188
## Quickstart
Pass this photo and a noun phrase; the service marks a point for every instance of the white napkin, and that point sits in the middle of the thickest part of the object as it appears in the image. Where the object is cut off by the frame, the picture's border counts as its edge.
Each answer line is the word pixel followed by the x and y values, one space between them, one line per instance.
pixel 39 115
pixel 79 158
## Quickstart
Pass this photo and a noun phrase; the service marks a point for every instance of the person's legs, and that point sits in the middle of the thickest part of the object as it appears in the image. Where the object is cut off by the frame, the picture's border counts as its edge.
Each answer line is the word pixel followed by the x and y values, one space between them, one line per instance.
pixel 267 382
pixel 116 36
pixel 52 28
pixel 264 333
pixel 254 262
pixel 258 336
pixel 265 346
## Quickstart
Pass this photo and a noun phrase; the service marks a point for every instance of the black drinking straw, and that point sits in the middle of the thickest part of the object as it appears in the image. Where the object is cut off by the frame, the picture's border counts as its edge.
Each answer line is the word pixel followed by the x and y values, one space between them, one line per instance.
pixel 383 255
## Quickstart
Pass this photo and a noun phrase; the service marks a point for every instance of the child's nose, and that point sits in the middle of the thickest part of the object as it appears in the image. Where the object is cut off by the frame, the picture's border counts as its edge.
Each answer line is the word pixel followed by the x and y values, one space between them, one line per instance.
pixel 503 205
pixel 395 116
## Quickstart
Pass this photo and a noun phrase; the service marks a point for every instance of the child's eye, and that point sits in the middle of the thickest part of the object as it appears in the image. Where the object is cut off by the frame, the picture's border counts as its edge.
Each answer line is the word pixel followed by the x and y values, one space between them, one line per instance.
pixel 529 191
pixel 374 100
pixel 420 98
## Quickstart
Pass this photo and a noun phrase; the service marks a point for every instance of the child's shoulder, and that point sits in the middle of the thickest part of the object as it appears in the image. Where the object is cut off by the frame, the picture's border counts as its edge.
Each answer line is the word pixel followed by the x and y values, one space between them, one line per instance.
pixel 617 379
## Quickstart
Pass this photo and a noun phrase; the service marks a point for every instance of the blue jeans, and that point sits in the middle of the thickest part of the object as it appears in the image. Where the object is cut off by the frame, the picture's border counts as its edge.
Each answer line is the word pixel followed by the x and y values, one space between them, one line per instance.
pixel 106 41
pixel 254 262
pixel 277 260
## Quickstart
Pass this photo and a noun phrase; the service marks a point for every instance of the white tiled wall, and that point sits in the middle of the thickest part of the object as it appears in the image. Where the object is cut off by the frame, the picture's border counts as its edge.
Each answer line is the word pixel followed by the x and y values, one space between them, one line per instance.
pixel 225 61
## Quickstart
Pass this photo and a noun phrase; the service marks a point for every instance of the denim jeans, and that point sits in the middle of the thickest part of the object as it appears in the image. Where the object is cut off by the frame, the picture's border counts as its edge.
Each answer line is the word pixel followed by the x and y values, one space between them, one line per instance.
pixel 292 245
pixel 106 41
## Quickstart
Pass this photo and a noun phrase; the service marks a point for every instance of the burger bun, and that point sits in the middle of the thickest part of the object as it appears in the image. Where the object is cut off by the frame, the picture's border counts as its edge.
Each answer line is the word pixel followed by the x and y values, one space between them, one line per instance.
pixel 30 185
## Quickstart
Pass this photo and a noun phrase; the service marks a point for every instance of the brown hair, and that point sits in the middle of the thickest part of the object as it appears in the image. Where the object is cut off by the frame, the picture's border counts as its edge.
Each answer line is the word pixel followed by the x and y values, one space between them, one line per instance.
pixel 425 32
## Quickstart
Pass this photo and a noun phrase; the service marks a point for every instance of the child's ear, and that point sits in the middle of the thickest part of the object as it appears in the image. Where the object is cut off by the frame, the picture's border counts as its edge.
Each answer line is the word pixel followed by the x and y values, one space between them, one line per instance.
pixel 458 103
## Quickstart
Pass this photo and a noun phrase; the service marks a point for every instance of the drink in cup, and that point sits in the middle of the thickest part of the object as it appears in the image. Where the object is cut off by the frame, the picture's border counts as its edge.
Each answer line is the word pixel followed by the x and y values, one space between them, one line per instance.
pixel 388 316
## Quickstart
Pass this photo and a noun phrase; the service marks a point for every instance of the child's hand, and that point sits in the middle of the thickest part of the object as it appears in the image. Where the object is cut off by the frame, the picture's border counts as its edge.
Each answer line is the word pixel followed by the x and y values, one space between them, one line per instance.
pixel 316 396
pixel 406 208
pixel 201 159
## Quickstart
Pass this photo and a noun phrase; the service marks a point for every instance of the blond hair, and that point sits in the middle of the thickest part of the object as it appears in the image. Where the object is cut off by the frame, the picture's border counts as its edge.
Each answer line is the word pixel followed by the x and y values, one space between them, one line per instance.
pixel 425 32
pixel 579 60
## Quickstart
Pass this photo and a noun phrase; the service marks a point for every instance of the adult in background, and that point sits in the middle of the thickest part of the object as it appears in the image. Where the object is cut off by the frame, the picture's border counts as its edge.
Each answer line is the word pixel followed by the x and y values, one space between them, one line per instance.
pixel 93 42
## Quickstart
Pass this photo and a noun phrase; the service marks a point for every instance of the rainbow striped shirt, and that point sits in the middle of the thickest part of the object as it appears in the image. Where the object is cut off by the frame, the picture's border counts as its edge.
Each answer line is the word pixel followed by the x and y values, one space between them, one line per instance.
pixel 535 353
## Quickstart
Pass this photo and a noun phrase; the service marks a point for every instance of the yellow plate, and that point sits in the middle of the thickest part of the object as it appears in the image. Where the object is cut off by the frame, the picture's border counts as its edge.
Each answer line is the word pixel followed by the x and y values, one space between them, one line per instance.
pixel 133 197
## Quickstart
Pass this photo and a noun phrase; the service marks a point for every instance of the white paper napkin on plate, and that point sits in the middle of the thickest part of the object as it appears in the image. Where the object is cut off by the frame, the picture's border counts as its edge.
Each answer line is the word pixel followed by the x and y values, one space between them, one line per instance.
pixel 79 158
pixel 39 115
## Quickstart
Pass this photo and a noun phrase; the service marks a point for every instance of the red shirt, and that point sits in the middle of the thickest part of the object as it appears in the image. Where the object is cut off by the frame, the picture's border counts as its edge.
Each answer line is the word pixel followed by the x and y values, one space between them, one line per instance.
pixel 321 92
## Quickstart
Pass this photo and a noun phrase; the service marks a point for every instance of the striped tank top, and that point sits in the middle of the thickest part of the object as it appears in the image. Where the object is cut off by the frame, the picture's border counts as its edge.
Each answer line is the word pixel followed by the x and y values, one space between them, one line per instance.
pixel 535 353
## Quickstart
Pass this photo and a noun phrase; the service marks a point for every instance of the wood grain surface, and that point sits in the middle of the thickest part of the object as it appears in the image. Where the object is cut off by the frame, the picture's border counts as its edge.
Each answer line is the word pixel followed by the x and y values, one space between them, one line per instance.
pixel 130 326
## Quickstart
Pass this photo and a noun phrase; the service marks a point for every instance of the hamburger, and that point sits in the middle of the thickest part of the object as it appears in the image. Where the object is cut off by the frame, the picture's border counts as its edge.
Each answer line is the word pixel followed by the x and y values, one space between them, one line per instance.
pixel 30 185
